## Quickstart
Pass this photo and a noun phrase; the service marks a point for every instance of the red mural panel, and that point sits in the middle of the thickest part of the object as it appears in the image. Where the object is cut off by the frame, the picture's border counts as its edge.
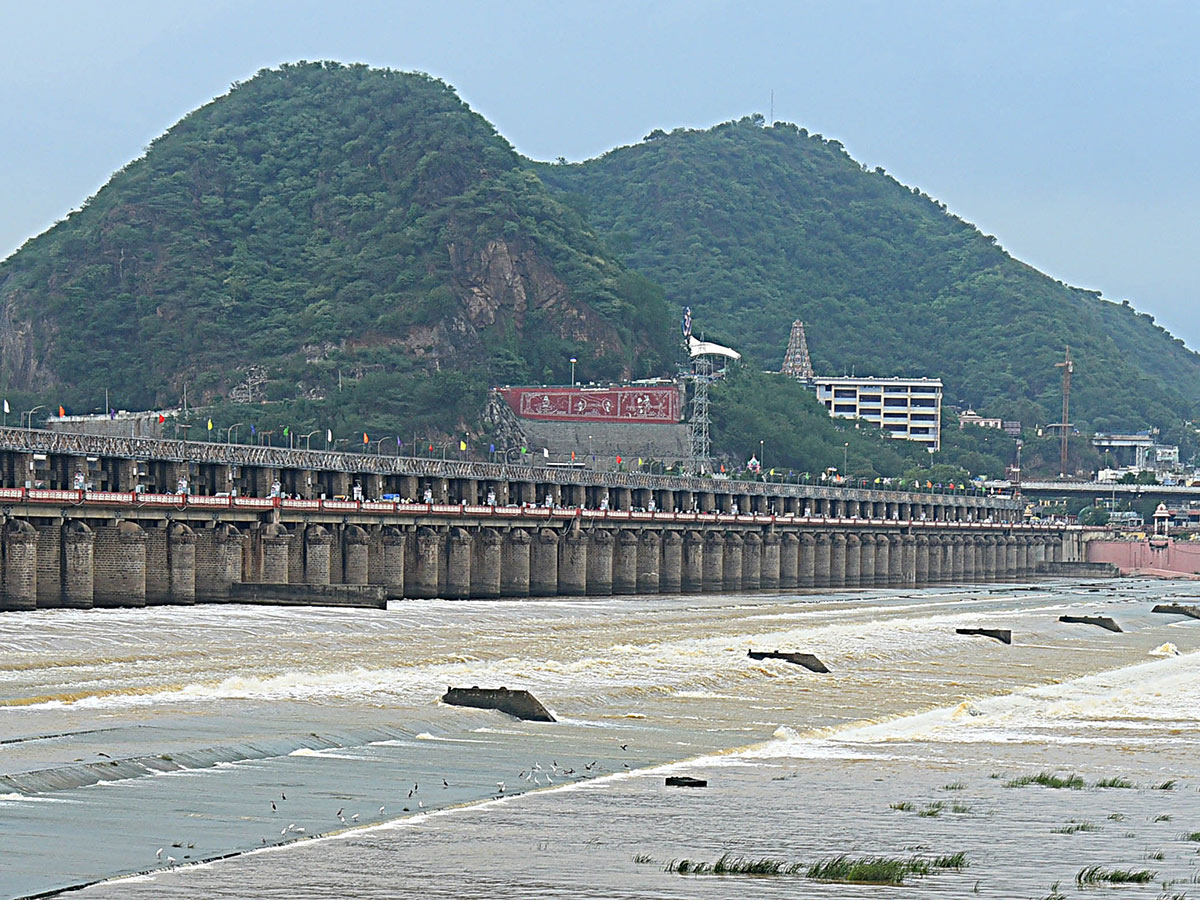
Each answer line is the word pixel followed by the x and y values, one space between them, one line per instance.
pixel 613 404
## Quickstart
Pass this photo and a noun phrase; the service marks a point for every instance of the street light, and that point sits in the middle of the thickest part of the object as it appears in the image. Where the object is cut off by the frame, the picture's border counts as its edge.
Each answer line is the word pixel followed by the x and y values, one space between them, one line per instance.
pixel 762 462
pixel 230 430
pixel 573 361
pixel 845 458
pixel 308 438
pixel 30 415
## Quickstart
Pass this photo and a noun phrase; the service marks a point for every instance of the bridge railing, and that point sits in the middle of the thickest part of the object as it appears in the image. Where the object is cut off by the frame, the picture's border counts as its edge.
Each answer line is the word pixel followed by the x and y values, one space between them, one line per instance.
pixel 205 452
pixel 136 500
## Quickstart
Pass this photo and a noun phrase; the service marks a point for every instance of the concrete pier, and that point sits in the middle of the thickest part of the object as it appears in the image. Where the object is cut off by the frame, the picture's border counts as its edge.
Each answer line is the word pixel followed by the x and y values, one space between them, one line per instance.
pixel 692 575
pixel 20 566
pixel 459 550
pixel 731 571
pixel 514 564
pixel 837 560
pixel 625 556
pixel 771 572
pixel 714 562
pixel 486 564
pixel 822 560
pixel 543 563
pixel 572 564
pixel 77 565
pixel 670 576
pixel 751 562
pixel 600 562
pixel 120 565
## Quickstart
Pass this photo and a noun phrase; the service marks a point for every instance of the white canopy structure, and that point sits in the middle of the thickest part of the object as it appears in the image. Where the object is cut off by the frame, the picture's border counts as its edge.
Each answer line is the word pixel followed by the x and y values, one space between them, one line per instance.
pixel 708 348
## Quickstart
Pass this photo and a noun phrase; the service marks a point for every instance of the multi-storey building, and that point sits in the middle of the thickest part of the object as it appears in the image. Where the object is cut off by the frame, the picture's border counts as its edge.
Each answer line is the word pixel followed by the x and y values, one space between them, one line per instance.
pixel 908 408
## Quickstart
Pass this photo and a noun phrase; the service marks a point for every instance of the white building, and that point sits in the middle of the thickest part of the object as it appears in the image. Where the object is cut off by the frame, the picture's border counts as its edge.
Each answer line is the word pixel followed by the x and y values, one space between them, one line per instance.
pixel 908 408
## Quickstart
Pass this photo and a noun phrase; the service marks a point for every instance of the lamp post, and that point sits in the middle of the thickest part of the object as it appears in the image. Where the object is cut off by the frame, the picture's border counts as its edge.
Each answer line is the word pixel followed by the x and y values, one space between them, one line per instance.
pixel 308 438
pixel 573 361
pixel 845 458
pixel 30 415
pixel 762 459
pixel 230 430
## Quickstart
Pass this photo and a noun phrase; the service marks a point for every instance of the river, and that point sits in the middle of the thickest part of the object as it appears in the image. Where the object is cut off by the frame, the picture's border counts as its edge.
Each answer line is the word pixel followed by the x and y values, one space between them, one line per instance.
pixel 233 751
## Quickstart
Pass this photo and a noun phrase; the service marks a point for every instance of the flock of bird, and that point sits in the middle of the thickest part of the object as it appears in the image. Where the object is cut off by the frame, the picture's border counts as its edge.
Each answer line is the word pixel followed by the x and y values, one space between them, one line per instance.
pixel 533 775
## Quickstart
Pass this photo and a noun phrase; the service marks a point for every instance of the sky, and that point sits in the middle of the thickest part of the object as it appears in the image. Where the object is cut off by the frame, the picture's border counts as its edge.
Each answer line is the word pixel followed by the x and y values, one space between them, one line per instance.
pixel 1069 130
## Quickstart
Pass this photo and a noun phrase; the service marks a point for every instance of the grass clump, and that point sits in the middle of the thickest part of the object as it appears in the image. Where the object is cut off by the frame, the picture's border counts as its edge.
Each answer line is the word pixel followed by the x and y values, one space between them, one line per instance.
pixel 642 858
pixel 1116 817
pixel 1190 836
pixel 731 865
pixel 1055 893
pixel 959 808
pixel 1048 779
pixel 954 786
pixel 1162 818
pixel 932 810
pixel 903 806
pixel 1156 855
pixel 1075 827
pixel 1168 785
pixel 1101 875
pixel 1115 782
pixel 865 870
pixel 953 861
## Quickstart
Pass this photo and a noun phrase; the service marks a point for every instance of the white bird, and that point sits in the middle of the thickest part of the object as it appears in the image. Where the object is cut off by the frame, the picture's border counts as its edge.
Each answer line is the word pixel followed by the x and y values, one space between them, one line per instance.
pixel 421 804
pixel 282 833
pixel 354 818
pixel 381 809
pixel 170 860
pixel 299 831
pixel 342 819
pixel 158 852
pixel 500 784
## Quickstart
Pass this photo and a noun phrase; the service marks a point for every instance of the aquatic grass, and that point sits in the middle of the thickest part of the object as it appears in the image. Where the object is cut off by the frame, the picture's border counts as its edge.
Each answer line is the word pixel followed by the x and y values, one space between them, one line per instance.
pixel 954 786
pixel 1100 875
pixel 1075 827
pixel 1048 779
pixel 1168 785
pixel 959 808
pixel 1162 818
pixel 730 865
pixel 642 858
pixel 1055 893
pixel 865 870
pixel 1116 817
pixel 932 810
pixel 903 806
pixel 1115 782
pixel 1156 855
pixel 953 861
pixel 1190 836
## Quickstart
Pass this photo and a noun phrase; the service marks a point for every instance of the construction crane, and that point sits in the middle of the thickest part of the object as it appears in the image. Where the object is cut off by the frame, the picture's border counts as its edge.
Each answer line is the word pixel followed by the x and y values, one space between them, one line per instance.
pixel 1068 367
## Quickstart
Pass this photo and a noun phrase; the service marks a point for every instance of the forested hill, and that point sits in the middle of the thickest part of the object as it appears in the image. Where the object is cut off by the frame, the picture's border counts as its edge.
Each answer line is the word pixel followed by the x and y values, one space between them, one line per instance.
pixel 356 240
pixel 756 226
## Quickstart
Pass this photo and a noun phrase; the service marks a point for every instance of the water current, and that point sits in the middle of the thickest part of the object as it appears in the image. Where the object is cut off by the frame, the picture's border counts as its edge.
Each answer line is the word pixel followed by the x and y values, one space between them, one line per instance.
pixel 225 751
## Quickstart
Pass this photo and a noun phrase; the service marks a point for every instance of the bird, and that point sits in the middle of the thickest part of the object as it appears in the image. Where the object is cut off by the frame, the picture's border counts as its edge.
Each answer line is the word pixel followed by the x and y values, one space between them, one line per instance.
pixel 339 812
pixel 354 818
pixel 410 792
pixel 102 753
pixel 170 860
pixel 444 784
pixel 299 830
pixel 624 746
pixel 421 804
pixel 416 787
pixel 500 784
pixel 158 853
pixel 282 795
pixel 381 809
pixel 273 807
pixel 282 833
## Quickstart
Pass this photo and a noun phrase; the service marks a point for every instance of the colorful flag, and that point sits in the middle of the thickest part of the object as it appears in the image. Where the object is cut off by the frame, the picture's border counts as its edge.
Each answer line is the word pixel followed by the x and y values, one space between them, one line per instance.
pixel 286 431
pixel 546 452
pixel 112 413
pixel 462 445
pixel 491 448
pixel 252 430
pixel 572 456
pixel 6 408
pixel 639 462
pixel 366 440
pixel 523 450
pixel 329 435
pixel 61 412
pixel 687 321
pixel 618 459
pixel 210 426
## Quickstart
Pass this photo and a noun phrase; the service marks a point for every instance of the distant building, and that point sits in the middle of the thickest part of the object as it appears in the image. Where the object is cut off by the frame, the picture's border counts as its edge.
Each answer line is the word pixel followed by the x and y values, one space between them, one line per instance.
pixel 119 423
pixel 1137 451
pixel 908 408
pixel 970 417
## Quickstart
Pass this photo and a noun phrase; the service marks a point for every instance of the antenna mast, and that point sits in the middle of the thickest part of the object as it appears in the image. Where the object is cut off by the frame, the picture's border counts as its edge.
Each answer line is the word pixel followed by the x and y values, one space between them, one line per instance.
pixel 699 371
pixel 1068 367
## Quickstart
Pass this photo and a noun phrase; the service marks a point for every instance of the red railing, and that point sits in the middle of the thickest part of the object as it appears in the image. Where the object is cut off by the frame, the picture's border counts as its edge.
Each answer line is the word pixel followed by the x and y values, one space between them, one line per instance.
pixel 101 499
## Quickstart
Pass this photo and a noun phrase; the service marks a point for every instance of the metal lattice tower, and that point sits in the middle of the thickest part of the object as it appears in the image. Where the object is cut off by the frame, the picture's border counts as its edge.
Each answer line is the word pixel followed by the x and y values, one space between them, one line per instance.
pixel 701 377
pixel 1068 367
pixel 796 361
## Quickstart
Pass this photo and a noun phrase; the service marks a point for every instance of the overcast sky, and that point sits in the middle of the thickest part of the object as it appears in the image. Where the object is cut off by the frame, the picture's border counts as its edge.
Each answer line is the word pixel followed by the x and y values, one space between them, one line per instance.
pixel 1069 130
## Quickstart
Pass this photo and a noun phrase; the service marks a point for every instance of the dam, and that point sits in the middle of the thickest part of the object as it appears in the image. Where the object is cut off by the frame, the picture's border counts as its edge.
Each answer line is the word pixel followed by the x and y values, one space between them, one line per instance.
pixel 96 521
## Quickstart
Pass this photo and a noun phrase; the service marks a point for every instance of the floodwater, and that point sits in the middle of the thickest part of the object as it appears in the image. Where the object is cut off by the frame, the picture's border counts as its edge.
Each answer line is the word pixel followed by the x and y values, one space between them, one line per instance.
pixel 225 751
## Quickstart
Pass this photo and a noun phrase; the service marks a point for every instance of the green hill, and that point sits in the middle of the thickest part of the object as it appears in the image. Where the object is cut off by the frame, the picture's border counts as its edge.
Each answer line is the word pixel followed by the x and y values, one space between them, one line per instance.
pixel 352 240
pixel 756 226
